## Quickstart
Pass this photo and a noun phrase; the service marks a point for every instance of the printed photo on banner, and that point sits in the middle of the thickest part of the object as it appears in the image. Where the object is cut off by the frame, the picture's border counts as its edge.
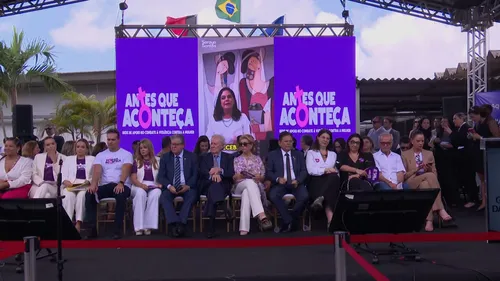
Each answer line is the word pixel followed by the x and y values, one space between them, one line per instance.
pixel 236 77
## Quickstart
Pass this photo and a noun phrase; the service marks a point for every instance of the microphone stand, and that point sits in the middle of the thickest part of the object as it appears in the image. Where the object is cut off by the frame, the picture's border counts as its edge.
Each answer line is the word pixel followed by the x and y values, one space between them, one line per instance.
pixel 60 261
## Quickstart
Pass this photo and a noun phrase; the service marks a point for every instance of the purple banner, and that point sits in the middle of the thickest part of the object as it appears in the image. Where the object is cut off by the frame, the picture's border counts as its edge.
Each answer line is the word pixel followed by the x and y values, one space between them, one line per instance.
pixel 156 89
pixel 315 85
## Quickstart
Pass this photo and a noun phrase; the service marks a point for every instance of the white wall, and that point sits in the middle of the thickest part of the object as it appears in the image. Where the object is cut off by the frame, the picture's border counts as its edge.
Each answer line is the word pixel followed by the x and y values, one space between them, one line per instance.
pixel 45 102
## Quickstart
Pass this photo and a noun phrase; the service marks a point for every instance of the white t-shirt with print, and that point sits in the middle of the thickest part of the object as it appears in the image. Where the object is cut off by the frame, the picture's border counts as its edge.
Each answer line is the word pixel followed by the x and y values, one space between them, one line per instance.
pixel 111 163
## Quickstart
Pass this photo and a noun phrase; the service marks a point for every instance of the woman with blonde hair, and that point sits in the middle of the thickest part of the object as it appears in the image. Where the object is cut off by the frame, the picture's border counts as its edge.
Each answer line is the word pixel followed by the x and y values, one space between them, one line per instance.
pixel 249 172
pixel 30 149
pixel 68 148
pixel 145 190
pixel 76 176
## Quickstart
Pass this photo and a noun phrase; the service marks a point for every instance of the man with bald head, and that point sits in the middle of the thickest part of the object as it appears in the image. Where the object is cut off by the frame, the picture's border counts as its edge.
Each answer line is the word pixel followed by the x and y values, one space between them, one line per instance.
pixel 216 174
pixel 390 165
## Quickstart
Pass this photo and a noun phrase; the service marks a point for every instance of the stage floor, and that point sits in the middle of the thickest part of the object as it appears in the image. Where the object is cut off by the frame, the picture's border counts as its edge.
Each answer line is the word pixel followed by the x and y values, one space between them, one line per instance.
pixel 272 263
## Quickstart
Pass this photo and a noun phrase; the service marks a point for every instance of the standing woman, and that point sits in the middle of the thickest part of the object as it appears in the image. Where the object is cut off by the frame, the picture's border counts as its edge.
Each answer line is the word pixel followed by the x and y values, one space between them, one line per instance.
pixel 45 170
pixel 484 127
pixel 15 172
pixel 76 177
pixel 145 190
pixel 324 184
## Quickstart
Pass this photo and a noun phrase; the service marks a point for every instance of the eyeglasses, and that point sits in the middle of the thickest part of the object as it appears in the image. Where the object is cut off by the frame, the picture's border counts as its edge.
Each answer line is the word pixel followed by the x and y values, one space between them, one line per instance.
pixel 244 143
pixel 385 143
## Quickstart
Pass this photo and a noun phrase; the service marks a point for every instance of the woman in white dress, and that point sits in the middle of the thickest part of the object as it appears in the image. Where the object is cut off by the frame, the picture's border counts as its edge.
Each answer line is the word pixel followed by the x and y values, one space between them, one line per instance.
pixel 145 190
pixel 228 120
pixel 45 170
pixel 76 177
pixel 15 172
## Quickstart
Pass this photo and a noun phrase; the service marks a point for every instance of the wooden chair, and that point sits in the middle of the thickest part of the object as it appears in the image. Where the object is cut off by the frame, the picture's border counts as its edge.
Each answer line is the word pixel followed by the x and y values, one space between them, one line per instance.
pixel 236 209
pixel 103 213
pixel 306 215
pixel 220 213
pixel 179 200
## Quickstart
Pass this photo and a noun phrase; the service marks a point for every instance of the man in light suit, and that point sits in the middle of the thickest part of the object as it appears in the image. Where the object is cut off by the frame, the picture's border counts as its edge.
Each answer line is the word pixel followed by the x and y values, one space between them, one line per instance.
pixel 286 170
pixel 216 176
pixel 178 174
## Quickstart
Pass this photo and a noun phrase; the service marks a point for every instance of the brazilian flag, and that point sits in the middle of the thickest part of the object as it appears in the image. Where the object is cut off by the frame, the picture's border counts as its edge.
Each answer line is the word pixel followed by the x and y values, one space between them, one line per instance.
pixel 229 10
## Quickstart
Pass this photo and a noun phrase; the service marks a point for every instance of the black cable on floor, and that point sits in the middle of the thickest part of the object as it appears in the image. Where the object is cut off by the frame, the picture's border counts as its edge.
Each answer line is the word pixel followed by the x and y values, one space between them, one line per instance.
pixel 477 272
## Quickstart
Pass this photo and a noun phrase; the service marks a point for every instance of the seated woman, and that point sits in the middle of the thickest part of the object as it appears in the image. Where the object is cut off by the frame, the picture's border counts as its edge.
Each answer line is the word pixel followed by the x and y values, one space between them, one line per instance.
pixel 324 183
pixel 15 172
pixel 421 174
pixel 353 163
pixel 248 178
pixel 30 149
pixel 145 190
pixel 45 170
pixel 76 176
pixel 368 145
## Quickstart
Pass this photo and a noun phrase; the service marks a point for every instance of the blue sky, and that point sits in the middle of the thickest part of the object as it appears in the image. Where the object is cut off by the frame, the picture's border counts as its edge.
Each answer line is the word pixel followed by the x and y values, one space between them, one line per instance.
pixel 387 43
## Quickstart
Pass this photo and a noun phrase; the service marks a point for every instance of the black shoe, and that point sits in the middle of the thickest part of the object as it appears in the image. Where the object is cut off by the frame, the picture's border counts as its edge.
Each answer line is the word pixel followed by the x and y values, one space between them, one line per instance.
pixel 181 230
pixel 287 227
pixel 173 230
pixel 89 233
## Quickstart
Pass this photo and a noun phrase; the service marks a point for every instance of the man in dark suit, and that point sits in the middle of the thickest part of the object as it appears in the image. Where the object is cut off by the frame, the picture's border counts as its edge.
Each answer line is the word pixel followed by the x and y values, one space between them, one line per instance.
pixel 216 172
pixel 178 174
pixel 286 169
pixel 464 163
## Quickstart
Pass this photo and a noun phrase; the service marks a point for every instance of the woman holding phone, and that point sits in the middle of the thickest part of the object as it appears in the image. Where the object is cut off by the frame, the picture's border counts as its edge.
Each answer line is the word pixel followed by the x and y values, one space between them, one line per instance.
pixel 353 163
pixel 248 178
pixel 421 174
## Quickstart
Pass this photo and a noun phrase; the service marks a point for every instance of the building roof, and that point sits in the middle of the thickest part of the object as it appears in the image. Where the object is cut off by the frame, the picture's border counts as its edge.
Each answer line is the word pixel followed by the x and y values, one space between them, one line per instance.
pixel 460 71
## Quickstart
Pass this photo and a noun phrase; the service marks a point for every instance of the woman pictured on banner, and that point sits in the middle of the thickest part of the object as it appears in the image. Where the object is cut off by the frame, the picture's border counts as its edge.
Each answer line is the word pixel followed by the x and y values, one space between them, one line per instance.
pixel 228 120
pixel 324 184
pixel 224 68
pixel 76 176
pixel 256 95
pixel 145 190
pixel 15 171
pixel 45 170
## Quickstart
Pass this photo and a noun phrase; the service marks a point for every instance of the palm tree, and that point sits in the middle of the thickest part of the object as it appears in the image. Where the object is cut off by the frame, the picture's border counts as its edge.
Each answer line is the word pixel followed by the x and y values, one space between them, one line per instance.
pixel 79 113
pixel 21 62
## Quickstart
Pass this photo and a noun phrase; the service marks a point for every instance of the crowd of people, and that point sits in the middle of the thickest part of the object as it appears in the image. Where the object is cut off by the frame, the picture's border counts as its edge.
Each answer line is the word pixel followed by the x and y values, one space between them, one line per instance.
pixel 314 174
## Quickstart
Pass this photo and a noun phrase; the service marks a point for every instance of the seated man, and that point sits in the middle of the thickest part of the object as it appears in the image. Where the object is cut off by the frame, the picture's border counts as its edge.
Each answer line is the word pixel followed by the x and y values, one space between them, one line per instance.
pixel 286 170
pixel 390 165
pixel 178 174
pixel 216 171
pixel 111 170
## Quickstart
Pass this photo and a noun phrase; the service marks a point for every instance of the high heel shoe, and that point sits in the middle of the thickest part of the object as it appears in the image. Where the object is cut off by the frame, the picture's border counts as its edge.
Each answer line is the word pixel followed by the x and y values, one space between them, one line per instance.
pixel 265 224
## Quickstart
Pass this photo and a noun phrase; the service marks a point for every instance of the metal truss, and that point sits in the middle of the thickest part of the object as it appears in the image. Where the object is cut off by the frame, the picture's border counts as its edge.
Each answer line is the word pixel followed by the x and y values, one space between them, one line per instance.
pixel 477 74
pixel 16 7
pixel 240 30
pixel 419 9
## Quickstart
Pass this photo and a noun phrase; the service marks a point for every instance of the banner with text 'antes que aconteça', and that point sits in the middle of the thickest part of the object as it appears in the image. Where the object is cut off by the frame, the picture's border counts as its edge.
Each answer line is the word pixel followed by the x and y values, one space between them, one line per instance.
pixel 234 86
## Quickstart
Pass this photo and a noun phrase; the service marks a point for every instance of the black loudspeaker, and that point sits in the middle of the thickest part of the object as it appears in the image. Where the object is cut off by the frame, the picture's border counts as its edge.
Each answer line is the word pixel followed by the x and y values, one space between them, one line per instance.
pixel 453 105
pixel 22 120
pixel 389 212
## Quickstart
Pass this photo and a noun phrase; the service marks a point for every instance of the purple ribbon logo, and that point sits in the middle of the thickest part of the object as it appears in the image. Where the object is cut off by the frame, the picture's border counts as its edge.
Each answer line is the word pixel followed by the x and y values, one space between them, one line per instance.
pixel 301 107
pixel 144 109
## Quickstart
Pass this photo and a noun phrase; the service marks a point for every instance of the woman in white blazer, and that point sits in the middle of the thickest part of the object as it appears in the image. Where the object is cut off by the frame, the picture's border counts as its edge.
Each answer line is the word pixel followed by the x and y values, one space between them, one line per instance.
pixel 15 171
pixel 145 190
pixel 76 176
pixel 45 171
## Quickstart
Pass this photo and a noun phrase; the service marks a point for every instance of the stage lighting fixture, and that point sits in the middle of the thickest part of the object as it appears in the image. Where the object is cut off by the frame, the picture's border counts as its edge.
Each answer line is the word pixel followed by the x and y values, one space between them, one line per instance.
pixel 345 14
pixel 123 5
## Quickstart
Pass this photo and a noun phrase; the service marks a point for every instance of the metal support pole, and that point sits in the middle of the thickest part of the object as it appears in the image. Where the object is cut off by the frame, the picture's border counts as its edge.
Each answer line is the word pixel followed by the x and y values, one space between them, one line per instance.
pixel 477 68
pixel 340 257
pixel 31 246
